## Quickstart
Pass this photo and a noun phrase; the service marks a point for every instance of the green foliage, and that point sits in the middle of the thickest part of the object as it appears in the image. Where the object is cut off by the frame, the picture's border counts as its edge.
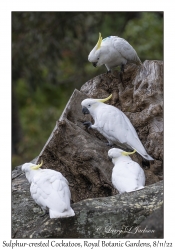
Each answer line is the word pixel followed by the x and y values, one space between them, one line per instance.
pixel 146 35
pixel 49 60
pixel 39 111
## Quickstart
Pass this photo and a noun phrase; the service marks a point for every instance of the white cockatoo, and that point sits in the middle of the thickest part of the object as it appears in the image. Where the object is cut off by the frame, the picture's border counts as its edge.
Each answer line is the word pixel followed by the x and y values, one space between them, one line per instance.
pixel 113 124
pixel 49 189
pixel 127 175
pixel 113 51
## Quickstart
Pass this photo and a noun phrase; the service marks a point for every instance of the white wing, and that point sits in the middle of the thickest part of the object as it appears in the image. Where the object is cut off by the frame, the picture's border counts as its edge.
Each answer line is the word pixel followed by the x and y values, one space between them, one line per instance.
pixel 115 126
pixel 133 139
pixel 125 49
pixel 137 172
pixel 128 176
pixel 50 189
pixel 110 121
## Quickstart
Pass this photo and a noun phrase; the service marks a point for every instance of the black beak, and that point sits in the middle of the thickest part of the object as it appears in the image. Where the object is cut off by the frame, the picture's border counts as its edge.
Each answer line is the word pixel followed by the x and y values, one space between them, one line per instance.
pixel 94 64
pixel 85 110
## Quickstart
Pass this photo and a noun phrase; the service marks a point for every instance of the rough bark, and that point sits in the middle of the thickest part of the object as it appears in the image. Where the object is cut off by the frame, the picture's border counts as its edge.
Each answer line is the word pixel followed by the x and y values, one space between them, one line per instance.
pixel 78 154
pixel 105 217
pixel 150 228
pixel 81 156
pixel 140 97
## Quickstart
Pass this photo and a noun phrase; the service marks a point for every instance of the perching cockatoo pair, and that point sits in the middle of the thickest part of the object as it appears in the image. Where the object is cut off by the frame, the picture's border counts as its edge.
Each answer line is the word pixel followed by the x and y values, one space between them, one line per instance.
pixel 127 175
pixel 49 189
pixel 113 51
pixel 113 124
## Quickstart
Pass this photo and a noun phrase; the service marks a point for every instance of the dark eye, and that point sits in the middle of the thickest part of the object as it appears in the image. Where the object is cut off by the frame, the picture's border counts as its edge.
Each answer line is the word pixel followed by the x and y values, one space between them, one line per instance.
pixel 89 105
pixel 98 58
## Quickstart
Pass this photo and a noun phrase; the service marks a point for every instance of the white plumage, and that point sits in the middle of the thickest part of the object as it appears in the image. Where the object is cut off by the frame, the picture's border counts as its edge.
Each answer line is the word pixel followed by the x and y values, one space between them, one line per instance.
pixel 113 51
pixel 113 124
pixel 127 175
pixel 49 189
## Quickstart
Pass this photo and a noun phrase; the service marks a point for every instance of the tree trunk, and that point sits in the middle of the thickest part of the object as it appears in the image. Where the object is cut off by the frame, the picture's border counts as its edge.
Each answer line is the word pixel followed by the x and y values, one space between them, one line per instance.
pixel 105 217
pixel 81 156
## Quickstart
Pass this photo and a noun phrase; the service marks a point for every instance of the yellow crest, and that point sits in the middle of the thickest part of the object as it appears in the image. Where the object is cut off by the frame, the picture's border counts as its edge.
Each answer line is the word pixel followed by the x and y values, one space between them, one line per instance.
pixel 128 153
pixel 104 100
pixel 35 167
pixel 99 41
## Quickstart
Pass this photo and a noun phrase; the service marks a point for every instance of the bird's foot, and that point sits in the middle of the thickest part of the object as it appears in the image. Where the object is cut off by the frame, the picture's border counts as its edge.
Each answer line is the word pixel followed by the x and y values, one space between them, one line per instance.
pixel 45 213
pixel 87 124
pixel 112 74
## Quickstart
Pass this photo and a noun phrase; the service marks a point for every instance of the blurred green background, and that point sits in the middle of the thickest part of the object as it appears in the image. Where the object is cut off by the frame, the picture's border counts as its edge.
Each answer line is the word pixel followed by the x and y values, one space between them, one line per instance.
pixel 49 60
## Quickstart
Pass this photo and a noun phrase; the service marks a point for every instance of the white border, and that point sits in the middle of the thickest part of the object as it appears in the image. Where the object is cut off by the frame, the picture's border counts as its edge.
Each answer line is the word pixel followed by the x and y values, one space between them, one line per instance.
pixel 5 91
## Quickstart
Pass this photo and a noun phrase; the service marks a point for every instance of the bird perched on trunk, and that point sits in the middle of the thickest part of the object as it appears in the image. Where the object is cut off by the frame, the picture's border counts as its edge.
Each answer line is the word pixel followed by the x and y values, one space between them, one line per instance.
pixel 127 175
pixel 113 124
pixel 113 51
pixel 49 189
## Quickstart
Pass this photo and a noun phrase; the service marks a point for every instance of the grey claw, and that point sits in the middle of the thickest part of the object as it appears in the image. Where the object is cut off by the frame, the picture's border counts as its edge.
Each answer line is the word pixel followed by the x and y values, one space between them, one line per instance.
pixel 87 124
